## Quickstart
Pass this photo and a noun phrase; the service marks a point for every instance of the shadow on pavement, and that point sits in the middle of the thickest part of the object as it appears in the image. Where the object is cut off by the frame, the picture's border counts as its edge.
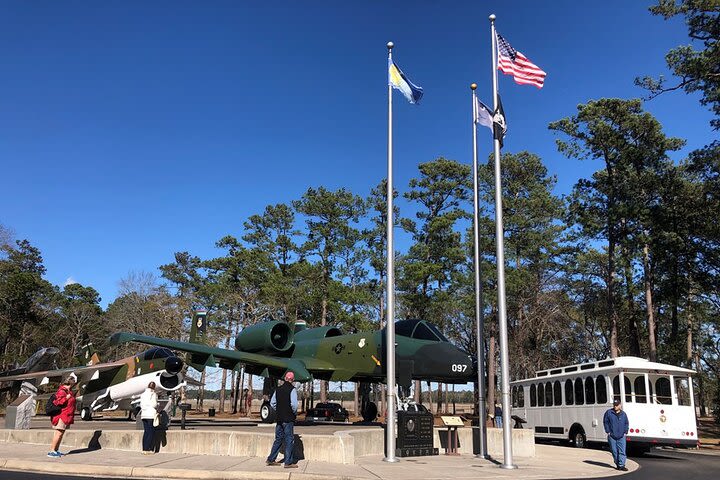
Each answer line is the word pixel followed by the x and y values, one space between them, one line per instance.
pixel 599 464
pixel 93 444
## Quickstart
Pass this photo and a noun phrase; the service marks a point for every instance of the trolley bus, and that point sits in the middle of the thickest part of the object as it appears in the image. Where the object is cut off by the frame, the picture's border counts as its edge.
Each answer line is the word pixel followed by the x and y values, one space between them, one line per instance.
pixel 568 403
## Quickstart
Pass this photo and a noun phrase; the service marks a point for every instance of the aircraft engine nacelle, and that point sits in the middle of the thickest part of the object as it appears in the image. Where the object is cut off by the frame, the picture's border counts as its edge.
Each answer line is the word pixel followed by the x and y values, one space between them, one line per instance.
pixel 164 381
pixel 266 337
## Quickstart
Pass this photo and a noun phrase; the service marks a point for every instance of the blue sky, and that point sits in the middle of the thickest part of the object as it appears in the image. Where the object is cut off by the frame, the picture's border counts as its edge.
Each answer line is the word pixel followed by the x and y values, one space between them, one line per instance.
pixel 131 130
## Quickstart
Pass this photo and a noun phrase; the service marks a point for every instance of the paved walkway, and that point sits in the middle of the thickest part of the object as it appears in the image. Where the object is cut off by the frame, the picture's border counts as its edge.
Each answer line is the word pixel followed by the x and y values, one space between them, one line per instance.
pixel 550 462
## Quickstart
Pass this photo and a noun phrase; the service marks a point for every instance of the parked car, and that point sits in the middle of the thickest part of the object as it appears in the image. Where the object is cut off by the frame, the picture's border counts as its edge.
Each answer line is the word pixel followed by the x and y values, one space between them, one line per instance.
pixel 327 412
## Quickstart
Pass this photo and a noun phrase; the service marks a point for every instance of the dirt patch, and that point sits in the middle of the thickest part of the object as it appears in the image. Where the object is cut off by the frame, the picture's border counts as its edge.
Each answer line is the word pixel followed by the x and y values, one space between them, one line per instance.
pixel 709 432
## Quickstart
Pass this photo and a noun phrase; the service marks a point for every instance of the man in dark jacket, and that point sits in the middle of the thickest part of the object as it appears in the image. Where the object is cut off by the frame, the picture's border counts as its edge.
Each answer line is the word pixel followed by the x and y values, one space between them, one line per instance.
pixel 284 402
pixel 616 426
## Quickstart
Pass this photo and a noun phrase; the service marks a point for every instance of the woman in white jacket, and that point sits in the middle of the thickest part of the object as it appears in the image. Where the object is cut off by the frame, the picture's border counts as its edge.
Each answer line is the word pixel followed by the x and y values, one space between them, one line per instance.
pixel 148 412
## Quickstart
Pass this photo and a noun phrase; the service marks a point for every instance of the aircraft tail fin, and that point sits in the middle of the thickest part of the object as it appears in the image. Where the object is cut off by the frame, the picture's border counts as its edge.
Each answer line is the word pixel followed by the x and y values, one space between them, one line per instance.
pixel 198 326
pixel 86 354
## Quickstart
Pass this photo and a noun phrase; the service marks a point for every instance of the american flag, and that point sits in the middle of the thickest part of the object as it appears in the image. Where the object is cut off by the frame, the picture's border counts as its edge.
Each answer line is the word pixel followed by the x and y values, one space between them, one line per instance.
pixel 512 62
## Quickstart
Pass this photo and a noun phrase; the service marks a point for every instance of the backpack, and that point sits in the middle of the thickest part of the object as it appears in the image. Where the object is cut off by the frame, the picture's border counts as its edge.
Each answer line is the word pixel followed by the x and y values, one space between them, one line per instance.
pixel 50 408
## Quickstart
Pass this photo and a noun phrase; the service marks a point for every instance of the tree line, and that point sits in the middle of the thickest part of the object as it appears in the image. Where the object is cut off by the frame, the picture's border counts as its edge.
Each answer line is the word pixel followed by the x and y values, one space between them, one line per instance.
pixel 627 263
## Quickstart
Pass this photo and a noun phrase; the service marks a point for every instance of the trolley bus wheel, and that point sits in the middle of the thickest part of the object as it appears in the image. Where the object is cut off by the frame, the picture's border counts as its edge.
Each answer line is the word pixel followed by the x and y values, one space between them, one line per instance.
pixel 578 438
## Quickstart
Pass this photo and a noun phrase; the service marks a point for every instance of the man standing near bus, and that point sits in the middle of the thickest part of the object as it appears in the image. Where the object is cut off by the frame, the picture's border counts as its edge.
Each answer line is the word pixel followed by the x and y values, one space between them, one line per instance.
pixel 616 426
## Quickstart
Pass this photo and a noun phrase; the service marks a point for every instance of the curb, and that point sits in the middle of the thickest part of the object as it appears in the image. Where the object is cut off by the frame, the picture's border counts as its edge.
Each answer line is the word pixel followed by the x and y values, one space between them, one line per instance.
pixel 162 473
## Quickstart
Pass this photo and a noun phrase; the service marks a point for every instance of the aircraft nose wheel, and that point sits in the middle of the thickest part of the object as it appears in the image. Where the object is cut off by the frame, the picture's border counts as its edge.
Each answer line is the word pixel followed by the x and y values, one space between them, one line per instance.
pixel 86 414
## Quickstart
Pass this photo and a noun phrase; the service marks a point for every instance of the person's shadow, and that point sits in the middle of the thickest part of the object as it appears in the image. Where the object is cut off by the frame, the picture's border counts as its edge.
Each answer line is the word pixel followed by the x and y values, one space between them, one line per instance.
pixel 159 438
pixel 298 449
pixel 93 444
pixel 598 464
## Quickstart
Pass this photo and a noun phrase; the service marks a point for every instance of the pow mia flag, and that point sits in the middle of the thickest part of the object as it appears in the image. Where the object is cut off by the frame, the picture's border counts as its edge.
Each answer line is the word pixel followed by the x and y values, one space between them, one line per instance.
pixel 499 125
pixel 495 121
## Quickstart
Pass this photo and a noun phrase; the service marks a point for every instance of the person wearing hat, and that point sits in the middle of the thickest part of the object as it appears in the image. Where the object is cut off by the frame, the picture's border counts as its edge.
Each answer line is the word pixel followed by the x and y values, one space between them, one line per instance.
pixel 616 426
pixel 65 399
pixel 284 402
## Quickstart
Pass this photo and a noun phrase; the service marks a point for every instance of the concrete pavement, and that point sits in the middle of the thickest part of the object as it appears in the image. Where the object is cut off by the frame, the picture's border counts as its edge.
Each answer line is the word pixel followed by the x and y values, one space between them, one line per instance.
pixel 548 463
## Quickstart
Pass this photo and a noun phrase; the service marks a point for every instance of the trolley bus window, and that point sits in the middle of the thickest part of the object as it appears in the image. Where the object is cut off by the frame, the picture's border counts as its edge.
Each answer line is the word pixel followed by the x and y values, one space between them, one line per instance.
pixel 616 387
pixel 589 391
pixel 533 396
pixel 579 396
pixel 640 394
pixel 548 395
pixel 557 392
pixel 662 391
pixel 541 395
pixel 682 390
pixel 601 389
pixel 628 389
pixel 568 392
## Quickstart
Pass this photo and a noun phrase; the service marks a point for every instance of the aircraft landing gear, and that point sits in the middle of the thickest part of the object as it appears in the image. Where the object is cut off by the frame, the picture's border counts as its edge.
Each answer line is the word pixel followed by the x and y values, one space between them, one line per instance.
pixel 86 414
pixel 267 414
pixel 134 413
pixel 368 409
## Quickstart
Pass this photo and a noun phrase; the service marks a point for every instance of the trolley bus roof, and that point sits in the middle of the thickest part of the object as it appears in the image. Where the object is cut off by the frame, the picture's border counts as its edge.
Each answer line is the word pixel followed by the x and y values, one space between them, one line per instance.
pixel 623 363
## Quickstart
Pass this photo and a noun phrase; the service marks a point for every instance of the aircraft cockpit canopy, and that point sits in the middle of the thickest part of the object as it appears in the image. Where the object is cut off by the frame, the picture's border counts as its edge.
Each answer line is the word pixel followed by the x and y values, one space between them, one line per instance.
pixel 156 353
pixel 419 330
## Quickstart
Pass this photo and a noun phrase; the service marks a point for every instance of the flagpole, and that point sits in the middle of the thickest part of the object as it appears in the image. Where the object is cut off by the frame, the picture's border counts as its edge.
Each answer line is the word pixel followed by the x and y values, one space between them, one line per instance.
pixel 479 320
pixel 500 256
pixel 390 293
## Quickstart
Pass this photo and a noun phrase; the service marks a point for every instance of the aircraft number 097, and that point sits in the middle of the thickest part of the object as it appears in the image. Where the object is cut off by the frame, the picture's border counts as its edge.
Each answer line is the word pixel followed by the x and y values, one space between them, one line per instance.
pixel 459 367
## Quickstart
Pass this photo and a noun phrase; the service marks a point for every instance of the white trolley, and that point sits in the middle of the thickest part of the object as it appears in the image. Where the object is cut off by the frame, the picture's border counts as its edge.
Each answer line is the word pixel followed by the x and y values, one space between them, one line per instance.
pixel 568 403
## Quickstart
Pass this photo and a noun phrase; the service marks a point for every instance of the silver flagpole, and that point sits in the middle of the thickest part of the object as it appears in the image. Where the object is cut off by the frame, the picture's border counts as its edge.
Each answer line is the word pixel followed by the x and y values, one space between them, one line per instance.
pixel 499 237
pixel 479 321
pixel 390 293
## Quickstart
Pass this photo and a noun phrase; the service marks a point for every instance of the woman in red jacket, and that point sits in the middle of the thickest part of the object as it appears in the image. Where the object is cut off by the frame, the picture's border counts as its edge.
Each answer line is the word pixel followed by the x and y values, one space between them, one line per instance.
pixel 64 398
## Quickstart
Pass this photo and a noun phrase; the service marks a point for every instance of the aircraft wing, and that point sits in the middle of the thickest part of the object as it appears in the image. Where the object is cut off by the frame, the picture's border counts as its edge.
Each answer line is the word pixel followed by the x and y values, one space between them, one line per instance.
pixel 192 382
pixel 226 358
pixel 84 374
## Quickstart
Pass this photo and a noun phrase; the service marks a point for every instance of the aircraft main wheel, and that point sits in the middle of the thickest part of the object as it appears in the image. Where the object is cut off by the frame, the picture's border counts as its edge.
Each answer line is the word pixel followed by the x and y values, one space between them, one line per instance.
pixel 370 412
pixel 267 414
pixel 86 414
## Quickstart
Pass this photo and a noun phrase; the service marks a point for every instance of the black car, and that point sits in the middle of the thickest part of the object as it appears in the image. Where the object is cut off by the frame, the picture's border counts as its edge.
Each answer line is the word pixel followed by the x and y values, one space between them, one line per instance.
pixel 327 412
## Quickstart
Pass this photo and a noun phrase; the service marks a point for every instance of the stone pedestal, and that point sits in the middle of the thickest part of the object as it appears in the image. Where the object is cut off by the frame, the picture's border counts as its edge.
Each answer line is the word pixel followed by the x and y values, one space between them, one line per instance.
pixel 19 413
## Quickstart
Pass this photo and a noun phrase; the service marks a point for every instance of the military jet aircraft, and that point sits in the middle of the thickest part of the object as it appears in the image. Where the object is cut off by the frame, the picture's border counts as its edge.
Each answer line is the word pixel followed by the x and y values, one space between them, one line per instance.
pixel 272 348
pixel 106 386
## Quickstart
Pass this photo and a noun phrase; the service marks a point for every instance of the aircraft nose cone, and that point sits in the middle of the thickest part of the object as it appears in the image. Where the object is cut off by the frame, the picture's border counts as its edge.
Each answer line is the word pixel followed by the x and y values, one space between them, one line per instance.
pixel 173 365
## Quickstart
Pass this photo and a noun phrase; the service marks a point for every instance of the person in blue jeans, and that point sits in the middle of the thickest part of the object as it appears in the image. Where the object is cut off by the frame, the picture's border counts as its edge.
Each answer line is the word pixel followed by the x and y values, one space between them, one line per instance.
pixel 616 426
pixel 284 402
pixel 498 415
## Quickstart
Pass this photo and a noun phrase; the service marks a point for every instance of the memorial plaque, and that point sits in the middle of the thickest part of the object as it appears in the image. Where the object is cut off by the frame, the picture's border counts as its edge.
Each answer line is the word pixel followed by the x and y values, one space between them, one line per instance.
pixel 449 421
pixel 415 434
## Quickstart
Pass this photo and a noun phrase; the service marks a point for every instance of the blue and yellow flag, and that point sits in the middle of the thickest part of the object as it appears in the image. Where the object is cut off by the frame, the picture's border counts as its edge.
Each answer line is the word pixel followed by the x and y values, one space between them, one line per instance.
pixel 399 81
